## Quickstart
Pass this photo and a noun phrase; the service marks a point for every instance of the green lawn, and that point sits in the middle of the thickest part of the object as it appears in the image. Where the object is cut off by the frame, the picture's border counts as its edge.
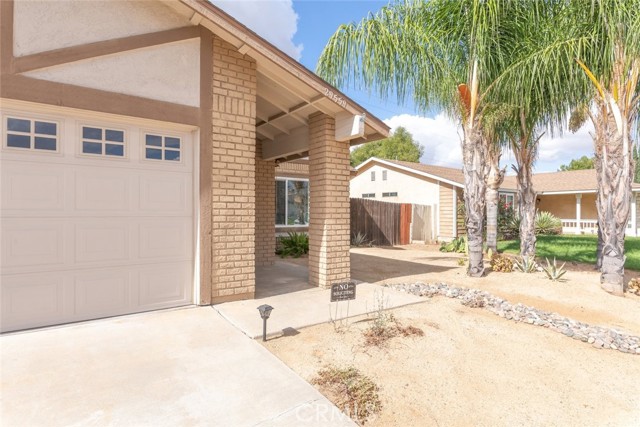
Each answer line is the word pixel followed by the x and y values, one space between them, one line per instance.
pixel 575 248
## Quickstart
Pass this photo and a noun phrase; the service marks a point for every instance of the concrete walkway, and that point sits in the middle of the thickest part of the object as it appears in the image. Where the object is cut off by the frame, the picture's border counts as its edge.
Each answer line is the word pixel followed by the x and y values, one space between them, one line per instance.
pixel 183 367
pixel 303 305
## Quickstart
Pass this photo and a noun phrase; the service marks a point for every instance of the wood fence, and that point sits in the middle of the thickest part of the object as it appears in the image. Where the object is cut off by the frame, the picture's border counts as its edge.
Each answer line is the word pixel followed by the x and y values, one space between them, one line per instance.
pixel 383 223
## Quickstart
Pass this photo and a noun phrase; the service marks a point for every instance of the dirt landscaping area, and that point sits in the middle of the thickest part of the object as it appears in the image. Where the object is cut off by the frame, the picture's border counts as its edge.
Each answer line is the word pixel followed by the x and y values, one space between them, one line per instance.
pixel 472 367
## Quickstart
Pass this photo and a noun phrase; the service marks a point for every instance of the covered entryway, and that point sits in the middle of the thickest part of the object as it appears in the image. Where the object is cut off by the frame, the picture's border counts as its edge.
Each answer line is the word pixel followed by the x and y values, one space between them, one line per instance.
pixel 96 217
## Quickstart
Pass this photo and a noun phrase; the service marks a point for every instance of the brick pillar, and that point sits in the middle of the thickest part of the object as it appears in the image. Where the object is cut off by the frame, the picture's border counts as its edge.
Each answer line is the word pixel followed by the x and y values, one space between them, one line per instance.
pixel 329 227
pixel 233 174
pixel 265 209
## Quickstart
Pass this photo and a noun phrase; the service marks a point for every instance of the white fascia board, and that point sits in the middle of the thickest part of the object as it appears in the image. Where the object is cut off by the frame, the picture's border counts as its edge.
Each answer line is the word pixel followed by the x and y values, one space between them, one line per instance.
pixel 407 169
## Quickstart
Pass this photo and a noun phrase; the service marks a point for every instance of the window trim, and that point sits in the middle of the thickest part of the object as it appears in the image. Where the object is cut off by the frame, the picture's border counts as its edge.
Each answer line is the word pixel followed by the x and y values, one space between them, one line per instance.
pixel 384 175
pixel 506 197
pixel 32 135
pixel 390 194
pixel 105 126
pixel 373 176
pixel 368 195
pixel 286 204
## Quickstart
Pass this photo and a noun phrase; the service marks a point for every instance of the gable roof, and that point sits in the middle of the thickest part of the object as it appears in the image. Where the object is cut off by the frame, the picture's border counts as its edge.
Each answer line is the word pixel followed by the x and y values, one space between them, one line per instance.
pixel 578 181
pixel 451 176
pixel 565 182
pixel 299 91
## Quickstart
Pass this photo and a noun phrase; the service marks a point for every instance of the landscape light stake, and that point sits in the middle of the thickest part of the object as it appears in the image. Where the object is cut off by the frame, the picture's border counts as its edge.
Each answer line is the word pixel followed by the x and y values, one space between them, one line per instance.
pixel 265 312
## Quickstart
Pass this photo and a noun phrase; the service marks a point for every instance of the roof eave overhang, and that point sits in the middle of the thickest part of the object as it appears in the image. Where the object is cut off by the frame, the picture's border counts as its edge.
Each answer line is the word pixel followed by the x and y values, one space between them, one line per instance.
pixel 328 99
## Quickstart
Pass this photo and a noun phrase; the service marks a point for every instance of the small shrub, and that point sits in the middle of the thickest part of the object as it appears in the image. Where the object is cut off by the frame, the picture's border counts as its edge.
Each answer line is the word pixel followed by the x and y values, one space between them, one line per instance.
pixel 548 224
pixel 462 262
pixel 458 245
pixel 501 263
pixel 633 286
pixel 294 245
pixel 553 272
pixel 351 391
pixel 525 264
pixel 359 239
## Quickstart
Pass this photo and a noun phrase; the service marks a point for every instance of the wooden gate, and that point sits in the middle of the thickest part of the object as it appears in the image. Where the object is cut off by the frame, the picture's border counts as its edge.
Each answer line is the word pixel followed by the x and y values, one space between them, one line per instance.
pixel 422 224
pixel 383 223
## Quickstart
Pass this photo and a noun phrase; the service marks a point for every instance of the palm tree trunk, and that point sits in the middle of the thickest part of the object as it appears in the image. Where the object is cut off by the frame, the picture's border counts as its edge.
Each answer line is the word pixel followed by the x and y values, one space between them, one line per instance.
pixel 474 169
pixel 494 180
pixel 527 211
pixel 613 200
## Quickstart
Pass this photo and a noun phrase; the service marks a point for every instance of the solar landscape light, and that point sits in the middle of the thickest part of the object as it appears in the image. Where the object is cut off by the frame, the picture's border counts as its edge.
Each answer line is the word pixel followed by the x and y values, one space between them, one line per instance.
pixel 265 312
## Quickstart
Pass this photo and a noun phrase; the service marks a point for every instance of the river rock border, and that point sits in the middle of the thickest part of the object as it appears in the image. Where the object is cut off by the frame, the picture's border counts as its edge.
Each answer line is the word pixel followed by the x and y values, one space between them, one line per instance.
pixel 597 336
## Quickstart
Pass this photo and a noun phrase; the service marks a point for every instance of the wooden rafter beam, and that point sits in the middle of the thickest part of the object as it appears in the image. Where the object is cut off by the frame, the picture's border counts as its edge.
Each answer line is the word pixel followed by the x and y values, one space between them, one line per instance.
pixel 91 50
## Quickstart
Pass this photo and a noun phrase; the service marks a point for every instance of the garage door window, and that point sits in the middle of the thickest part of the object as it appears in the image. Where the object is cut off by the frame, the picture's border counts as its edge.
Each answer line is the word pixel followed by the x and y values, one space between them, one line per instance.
pixel 31 134
pixel 160 147
pixel 102 141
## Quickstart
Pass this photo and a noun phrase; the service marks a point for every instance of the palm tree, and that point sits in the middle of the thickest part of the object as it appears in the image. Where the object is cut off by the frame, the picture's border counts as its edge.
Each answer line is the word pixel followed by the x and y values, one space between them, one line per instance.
pixel 608 91
pixel 524 146
pixel 426 50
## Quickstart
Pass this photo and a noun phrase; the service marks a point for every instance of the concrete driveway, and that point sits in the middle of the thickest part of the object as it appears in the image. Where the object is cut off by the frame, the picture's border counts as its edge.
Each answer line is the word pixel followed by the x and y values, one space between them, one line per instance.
pixel 185 367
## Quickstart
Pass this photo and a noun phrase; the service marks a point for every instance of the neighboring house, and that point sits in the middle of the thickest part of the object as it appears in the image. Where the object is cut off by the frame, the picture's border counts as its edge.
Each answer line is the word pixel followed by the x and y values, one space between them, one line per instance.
pixel 571 196
pixel 138 158
pixel 407 182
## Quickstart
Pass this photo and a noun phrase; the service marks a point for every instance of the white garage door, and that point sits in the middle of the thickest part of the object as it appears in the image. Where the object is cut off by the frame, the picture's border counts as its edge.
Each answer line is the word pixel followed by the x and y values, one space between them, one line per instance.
pixel 96 219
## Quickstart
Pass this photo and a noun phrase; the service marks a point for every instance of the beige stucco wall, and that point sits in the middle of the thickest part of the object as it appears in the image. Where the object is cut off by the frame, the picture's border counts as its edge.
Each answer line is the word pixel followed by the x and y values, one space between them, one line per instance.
pixel 46 25
pixel 446 210
pixel 169 72
pixel 564 205
pixel 410 188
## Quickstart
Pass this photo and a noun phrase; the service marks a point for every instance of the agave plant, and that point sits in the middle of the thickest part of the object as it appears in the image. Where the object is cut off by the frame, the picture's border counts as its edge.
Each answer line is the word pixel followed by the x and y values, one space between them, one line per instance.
pixel 359 239
pixel 547 223
pixel 554 272
pixel 525 264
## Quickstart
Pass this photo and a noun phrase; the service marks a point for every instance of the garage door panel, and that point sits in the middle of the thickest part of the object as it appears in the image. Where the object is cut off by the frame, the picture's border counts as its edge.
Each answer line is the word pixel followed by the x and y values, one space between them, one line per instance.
pixel 91 236
pixel 100 190
pixel 162 285
pixel 168 193
pixel 165 238
pixel 31 300
pixel 102 240
pixel 102 293
pixel 32 242
pixel 24 188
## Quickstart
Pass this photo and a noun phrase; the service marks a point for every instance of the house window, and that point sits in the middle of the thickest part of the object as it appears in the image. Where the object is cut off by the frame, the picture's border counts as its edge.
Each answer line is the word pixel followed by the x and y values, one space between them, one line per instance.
pixel 102 141
pixel 373 175
pixel 384 175
pixel 391 194
pixel 368 195
pixel 292 202
pixel 506 201
pixel 31 134
pixel 159 147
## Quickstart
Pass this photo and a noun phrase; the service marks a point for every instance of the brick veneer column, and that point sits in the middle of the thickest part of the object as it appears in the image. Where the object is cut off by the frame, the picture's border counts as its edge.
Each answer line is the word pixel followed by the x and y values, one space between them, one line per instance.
pixel 233 174
pixel 265 209
pixel 329 218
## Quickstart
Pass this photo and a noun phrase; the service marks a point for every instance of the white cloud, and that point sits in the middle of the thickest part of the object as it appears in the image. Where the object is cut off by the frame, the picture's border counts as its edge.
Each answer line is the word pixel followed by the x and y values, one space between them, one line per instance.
pixel 440 137
pixel 274 20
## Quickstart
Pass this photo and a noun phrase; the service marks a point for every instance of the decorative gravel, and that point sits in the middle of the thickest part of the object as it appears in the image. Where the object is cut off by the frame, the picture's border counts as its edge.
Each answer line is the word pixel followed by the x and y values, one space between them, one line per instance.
pixel 597 336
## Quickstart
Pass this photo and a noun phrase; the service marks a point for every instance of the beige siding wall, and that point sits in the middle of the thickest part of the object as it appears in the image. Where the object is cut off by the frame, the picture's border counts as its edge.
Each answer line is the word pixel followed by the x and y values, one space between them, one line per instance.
pixel 564 205
pixel 446 230
pixel 233 173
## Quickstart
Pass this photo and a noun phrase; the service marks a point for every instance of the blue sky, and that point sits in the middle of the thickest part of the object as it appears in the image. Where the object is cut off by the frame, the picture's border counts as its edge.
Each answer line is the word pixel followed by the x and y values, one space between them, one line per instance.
pixel 302 27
